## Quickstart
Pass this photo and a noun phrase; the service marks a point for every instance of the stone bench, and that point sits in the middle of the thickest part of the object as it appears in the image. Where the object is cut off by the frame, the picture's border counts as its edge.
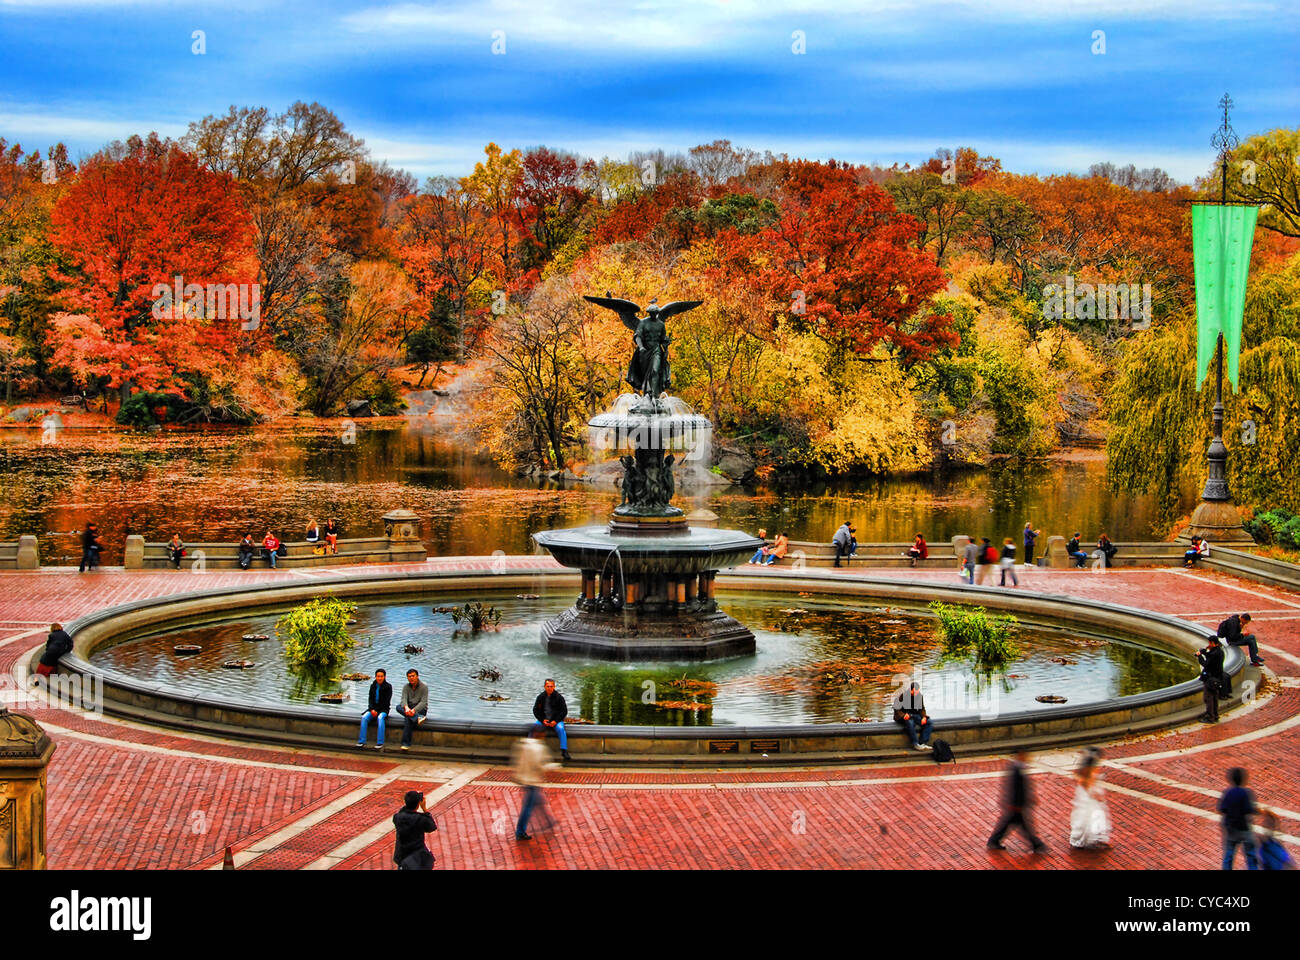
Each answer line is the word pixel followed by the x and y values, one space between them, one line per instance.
pixel 20 554
pixel 400 544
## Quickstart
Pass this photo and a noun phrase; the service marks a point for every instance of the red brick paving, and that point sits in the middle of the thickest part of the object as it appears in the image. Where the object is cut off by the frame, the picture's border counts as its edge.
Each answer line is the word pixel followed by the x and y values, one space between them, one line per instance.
pixel 116 806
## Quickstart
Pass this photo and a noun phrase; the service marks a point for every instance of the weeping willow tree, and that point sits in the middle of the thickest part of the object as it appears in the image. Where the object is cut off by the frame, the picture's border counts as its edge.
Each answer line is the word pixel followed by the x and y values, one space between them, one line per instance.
pixel 1160 425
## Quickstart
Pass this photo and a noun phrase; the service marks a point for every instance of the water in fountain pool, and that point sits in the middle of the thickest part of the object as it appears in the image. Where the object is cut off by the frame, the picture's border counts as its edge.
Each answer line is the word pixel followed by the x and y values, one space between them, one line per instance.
pixel 817 661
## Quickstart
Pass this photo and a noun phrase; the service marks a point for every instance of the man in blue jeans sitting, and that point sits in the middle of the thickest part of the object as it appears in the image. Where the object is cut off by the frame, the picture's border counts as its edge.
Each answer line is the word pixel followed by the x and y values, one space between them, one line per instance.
pixel 550 710
pixel 1072 548
pixel 414 706
pixel 381 696
pixel 1233 630
pixel 909 710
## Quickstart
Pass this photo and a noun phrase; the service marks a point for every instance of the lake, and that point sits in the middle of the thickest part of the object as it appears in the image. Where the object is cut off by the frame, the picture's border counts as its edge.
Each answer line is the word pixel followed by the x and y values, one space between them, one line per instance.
pixel 216 484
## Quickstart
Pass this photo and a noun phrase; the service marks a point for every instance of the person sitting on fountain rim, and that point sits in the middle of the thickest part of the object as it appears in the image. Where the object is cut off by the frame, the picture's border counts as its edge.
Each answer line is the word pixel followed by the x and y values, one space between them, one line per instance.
pixel 1231 630
pixel 761 553
pixel 909 710
pixel 779 547
pixel 919 550
pixel 414 706
pixel 246 551
pixel 377 704
pixel 1200 548
pixel 550 710
pixel 844 543
pixel 1072 548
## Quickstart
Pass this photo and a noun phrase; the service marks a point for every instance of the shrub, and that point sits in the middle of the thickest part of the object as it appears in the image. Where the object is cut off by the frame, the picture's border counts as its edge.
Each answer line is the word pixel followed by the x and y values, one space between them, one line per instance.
pixel 145 409
pixel 315 635
pixel 1275 526
pixel 968 632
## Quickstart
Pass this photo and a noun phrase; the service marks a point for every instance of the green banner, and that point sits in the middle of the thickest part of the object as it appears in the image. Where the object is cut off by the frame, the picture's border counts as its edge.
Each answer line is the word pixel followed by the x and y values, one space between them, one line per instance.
pixel 1221 241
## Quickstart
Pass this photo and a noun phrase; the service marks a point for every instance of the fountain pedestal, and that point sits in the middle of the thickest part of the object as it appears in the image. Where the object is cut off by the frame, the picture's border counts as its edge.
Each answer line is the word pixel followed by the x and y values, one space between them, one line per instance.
pixel 647 595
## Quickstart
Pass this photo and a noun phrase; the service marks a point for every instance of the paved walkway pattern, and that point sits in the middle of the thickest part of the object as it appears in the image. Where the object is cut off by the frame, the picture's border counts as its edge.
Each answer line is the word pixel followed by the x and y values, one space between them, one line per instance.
pixel 125 796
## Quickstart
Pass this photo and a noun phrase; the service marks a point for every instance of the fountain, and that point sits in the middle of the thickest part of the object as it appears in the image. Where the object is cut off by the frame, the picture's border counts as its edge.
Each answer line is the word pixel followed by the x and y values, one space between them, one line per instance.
pixel 648 576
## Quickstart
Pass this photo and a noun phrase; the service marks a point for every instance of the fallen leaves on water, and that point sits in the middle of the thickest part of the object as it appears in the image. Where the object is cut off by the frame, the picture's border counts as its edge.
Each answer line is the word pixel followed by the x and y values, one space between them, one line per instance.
pixel 1064 660
pixel 1050 698
pixel 355 676
pixel 493 697
pixel 706 688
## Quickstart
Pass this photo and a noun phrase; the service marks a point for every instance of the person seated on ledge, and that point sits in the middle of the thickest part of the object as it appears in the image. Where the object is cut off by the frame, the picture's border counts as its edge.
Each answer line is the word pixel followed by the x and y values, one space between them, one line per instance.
pixel 246 551
pixel 1231 630
pixel 909 710
pixel 175 550
pixel 919 550
pixel 271 547
pixel 332 532
pixel 1200 548
pixel 550 710
pixel 1107 548
pixel 845 544
pixel 779 548
pixel 1072 548
pixel 57 645
pixel 761 553
pixel 313 537
pixel 381 696
pixel 414 706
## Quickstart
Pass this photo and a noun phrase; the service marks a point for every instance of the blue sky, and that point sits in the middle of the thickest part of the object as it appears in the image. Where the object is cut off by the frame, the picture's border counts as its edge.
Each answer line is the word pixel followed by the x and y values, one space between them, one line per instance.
pixel 879 82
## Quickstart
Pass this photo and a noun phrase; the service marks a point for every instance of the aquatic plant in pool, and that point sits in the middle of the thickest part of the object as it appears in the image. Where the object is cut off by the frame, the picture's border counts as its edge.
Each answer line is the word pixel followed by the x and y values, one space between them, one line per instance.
pixel 969 632
pixel 315 635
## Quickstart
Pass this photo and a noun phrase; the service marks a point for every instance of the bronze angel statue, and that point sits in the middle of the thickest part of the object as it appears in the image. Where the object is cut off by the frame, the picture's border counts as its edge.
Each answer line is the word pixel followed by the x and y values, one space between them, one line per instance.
pixel 648 372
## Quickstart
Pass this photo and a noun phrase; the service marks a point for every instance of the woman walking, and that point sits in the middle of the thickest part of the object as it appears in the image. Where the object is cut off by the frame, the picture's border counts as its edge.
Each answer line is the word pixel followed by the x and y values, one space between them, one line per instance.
pixel 1089 818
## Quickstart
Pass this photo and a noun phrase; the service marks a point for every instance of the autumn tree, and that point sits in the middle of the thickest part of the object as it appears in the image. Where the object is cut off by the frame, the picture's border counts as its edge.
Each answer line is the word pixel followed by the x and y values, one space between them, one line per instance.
pixel 139 215
pixel 362 339
pixel 841 263
pixel 495 183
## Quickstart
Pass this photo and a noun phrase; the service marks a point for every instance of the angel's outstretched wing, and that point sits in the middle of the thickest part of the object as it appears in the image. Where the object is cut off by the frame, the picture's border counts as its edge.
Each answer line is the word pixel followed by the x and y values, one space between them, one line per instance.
pixel 677 306
pixel 626 309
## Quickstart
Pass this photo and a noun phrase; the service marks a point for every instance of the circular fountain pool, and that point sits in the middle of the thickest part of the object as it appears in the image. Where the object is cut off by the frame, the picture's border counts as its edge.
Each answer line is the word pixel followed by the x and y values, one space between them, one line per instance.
pixel 818 661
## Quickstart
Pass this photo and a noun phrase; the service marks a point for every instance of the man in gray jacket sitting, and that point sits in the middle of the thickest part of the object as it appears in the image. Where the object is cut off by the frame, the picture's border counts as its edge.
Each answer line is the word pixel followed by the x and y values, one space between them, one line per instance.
pixel 414 706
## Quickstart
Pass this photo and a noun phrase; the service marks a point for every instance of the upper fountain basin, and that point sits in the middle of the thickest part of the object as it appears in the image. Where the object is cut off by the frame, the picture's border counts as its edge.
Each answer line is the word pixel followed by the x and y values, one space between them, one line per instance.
pixel 690 551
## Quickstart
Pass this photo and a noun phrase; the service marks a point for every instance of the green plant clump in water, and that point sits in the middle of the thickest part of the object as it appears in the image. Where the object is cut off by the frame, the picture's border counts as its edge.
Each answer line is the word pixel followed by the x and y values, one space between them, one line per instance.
pixel 970 632
pixel 315 635
pixel 477 615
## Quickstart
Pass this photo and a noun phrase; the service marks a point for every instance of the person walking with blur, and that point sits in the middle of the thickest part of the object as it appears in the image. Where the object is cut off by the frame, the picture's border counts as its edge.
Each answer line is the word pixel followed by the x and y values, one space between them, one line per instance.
pixel 1089 818
pixel 530 762
pixel 969 558
pixel 987 559
pixel 90 548
pixel 1237 804
pixel 1019 803
pixel 1008 563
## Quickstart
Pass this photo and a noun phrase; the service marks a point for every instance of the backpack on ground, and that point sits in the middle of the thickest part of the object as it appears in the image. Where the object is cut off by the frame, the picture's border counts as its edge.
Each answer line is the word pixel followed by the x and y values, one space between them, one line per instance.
pixel 942 752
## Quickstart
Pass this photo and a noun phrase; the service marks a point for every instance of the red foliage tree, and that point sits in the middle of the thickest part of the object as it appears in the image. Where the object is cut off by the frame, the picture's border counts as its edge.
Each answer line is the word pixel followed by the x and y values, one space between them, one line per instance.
pixel 843 246
pixel 140 215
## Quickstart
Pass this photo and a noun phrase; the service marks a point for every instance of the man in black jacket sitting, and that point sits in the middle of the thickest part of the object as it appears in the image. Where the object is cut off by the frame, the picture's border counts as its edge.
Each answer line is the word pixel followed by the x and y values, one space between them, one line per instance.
pixel 1232 629
pixel 381 698
pixel 550 710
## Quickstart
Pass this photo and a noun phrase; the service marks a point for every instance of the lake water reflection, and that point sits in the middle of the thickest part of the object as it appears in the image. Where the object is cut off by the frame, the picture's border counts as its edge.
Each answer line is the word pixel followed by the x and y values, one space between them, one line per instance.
pixel 217 484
